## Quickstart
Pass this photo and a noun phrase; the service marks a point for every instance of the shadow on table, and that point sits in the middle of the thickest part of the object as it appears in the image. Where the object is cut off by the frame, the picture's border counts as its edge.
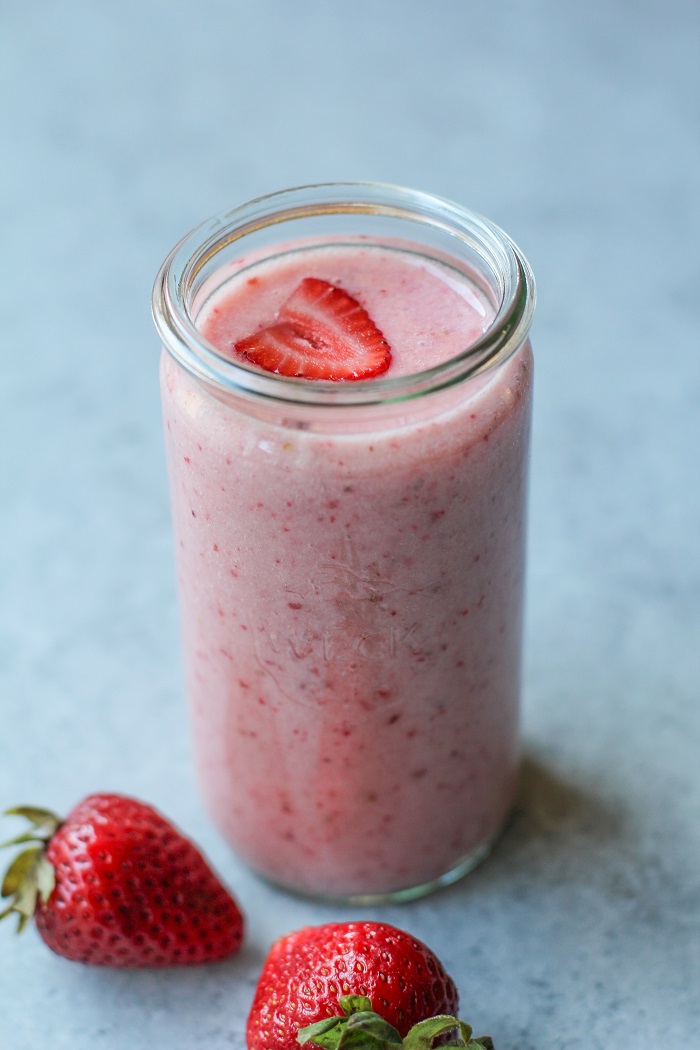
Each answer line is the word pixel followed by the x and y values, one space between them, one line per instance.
pixel 547 805
pixel 558 831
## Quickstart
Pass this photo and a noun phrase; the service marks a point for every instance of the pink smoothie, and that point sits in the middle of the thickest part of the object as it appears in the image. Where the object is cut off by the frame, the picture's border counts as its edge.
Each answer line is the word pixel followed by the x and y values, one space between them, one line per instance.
pixel 351 601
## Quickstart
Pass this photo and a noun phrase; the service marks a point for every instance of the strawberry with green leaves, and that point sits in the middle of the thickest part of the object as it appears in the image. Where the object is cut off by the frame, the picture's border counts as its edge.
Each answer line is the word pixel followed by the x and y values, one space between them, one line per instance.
pixel 364 966
pixel 115 884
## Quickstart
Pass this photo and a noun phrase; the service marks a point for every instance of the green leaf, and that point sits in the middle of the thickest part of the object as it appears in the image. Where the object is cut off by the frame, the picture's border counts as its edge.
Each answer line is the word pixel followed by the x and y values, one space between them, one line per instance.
pixel 21 868
pixel 25 897
pixel 44 825
pixel 361 1039
pixel 28 836
pixel 30 877
pixel 423 1035
pixel 22 921
pixel 315 1033
pixel 355 1004
pixel 367 1029
pixel 361 1029
pixel 45 878
pixel 40 818
pixel 20 883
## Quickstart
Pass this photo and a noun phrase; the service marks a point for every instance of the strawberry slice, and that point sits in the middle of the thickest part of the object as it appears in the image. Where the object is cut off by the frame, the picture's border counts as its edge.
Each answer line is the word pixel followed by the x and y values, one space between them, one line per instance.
pixel 321 333
pixel 281 348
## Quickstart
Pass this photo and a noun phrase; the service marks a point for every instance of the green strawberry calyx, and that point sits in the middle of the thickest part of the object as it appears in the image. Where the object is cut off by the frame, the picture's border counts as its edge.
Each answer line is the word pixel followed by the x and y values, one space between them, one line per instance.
pixel 360 1028
pixel 30 878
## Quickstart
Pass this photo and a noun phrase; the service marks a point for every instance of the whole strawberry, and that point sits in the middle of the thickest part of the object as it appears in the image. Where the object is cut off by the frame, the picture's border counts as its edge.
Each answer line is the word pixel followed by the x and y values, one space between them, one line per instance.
pixel 115 884
pixel 306 973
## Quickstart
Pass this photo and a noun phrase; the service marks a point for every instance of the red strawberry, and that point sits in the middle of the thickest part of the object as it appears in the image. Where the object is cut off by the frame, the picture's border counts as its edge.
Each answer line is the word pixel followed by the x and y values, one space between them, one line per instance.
pixel 115 884
pixel 306 973
pixel 322 333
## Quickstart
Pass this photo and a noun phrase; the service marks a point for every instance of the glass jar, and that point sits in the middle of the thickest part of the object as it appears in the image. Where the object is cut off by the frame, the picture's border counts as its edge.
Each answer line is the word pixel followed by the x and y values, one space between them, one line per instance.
pixel 350 556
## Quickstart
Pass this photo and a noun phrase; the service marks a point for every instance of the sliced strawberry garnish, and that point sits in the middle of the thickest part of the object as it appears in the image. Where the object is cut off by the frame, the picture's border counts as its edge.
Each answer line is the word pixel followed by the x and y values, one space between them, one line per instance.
pixel 282 349
pixel 322 333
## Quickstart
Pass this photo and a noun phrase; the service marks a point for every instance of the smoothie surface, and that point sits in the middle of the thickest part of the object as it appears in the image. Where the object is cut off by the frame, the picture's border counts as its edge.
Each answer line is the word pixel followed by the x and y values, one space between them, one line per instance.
pixel 428 312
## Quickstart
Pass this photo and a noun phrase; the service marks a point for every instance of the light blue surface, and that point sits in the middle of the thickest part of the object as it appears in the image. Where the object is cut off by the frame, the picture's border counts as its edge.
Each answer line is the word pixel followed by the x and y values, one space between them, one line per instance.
pixel 576 128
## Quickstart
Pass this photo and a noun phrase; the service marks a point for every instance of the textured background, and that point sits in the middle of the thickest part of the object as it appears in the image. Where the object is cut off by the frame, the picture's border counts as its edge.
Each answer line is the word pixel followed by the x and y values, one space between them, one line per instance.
pixel 577 129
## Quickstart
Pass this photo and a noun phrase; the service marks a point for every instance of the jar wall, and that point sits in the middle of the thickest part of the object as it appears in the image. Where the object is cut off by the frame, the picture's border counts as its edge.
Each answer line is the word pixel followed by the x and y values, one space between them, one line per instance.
pixel 352 612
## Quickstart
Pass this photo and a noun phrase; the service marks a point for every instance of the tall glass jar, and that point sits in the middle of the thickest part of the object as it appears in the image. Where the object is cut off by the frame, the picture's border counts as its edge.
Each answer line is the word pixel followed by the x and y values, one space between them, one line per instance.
pixel 350 558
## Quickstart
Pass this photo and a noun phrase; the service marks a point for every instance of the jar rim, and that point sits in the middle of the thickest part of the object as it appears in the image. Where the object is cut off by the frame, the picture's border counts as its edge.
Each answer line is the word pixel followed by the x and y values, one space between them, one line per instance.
pixel 175 281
